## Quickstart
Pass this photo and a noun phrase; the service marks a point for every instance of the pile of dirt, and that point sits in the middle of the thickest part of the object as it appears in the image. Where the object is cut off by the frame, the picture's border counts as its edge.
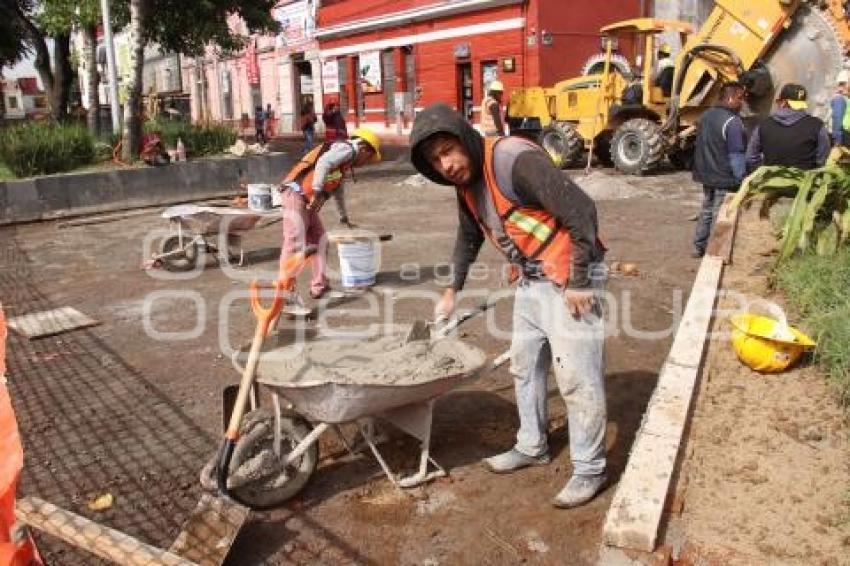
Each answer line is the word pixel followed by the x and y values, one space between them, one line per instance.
pixel 606 185
pixel 383 360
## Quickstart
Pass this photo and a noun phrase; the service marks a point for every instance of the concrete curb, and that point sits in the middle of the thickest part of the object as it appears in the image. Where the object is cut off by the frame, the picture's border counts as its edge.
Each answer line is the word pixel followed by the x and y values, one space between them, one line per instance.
pixel 62 196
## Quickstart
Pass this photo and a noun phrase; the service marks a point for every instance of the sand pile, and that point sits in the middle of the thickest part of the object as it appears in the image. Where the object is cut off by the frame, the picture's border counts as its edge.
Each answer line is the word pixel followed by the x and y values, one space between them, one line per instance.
pixel 603 185
pixel 385 360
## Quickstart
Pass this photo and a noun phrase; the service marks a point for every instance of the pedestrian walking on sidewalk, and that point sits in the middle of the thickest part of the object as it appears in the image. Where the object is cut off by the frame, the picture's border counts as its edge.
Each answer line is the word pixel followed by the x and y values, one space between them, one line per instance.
pixel 260 125
pixel 335 127
pixel 269 122
pixel 306 188
pixel 509 191
pixel 789 136
pixel 308 126
pixel 719 163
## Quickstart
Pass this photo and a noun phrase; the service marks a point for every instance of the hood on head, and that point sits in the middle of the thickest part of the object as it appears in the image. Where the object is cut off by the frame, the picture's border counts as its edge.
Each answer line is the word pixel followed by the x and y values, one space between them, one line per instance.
pixel 788 116
pixel 440 119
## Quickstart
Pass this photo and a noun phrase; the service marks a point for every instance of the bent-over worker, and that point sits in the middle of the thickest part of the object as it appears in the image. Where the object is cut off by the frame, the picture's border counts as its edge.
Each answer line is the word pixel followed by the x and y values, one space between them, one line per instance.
pixel 316 177
pixel 509 191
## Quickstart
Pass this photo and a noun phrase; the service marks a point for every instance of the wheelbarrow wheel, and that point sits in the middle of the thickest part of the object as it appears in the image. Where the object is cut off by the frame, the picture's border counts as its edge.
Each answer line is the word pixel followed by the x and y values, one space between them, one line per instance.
pixel 257 478
pixel 184 260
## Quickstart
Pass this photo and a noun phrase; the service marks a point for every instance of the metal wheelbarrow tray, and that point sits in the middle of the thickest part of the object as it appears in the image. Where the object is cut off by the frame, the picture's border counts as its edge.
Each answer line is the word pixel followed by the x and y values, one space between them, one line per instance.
pixel 328 404
pixel 197 226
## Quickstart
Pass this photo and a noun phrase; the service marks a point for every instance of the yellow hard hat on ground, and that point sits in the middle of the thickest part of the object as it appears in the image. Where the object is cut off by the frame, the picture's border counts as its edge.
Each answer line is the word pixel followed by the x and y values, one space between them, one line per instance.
pixel 496 86
pixel 767 345
pixel 371 138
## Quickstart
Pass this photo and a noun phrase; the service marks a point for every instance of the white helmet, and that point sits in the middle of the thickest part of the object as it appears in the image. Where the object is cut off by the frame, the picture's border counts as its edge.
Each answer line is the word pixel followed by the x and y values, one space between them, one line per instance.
pixel 496 86
pixel 843 76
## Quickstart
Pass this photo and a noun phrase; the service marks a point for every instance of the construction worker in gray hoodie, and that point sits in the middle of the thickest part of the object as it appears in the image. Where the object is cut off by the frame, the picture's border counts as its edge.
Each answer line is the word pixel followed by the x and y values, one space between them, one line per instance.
pixel 509 191
pixel 789 136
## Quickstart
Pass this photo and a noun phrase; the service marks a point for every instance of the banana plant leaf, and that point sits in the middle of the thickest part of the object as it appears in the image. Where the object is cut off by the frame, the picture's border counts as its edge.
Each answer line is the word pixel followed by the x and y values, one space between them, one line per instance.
pixel 828 240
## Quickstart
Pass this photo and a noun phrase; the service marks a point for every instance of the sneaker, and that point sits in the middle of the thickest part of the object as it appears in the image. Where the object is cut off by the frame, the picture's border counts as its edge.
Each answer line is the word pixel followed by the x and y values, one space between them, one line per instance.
pixel 579 490
pixel 318 294
pixel 513 460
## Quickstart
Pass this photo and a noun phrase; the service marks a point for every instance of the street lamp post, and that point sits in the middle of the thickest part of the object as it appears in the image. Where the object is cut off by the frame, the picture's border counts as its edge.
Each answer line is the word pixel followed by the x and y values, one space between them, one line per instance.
pixel 110 64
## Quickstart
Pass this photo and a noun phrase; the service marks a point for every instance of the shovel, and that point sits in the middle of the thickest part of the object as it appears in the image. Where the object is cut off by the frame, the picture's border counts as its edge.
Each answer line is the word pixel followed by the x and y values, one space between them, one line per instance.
pixel 422 330
pixel 209 532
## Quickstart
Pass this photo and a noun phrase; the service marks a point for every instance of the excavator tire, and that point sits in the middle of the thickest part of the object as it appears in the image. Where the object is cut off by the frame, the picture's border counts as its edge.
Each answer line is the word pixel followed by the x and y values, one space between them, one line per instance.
pixel 637 146
pixel 563 143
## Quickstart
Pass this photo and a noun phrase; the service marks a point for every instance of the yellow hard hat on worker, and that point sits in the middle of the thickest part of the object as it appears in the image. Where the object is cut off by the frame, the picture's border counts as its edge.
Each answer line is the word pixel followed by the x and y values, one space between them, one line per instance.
pixel 371 138
pixel 665 49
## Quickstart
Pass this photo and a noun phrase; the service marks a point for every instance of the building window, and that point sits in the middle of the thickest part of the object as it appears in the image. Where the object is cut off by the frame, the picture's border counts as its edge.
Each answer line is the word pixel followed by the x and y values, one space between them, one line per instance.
pixel 12 103
pixel 489 73
pixel 39 102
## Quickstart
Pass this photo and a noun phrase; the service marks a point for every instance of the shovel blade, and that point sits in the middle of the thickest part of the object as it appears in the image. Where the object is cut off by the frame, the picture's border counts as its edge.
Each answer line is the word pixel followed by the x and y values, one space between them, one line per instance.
pixel 418 331
pixel 210 530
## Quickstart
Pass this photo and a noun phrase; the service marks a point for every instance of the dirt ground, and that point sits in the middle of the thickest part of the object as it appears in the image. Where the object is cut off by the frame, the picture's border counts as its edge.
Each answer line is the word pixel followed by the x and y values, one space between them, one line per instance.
pixel 133 406
pixel 767 480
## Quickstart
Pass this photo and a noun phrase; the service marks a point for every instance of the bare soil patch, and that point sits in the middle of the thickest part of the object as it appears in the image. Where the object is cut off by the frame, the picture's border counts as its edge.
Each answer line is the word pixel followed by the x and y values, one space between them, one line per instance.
pixel 767 478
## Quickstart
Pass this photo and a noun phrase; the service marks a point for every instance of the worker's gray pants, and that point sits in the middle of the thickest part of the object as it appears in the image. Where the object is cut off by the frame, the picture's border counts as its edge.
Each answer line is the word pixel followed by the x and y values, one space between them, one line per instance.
pixel 544 329
pixel 711 201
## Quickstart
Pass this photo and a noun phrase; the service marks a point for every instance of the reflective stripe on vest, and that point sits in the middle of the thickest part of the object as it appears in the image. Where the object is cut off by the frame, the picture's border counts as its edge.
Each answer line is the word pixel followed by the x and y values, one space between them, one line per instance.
pixel 534 232
pixel 302 173
pixel 530 225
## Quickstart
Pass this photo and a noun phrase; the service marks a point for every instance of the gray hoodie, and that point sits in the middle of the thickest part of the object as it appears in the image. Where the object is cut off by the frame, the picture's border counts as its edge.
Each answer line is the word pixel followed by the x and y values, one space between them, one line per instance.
pixel 536 182
pixel 786 117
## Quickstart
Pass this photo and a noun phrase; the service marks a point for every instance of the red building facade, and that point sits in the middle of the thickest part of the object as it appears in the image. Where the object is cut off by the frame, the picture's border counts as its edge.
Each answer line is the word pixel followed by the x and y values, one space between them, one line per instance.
pixel 386 59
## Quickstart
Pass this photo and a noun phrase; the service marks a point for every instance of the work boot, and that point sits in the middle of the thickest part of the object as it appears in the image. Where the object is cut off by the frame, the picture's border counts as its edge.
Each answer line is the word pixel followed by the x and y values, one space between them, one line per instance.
pixel 579 490
pixel 513 460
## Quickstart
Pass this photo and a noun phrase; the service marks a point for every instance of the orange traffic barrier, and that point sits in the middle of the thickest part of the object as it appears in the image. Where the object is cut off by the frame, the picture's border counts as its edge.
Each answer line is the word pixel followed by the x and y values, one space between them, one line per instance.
pixel 16 546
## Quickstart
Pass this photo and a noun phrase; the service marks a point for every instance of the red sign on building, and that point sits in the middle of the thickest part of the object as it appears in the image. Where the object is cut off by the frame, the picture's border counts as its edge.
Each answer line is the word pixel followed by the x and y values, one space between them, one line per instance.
pixel 252 67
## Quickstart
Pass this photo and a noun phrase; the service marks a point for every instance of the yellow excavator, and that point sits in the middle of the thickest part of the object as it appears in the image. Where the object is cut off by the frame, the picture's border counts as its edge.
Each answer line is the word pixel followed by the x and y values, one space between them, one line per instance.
pixel 624 118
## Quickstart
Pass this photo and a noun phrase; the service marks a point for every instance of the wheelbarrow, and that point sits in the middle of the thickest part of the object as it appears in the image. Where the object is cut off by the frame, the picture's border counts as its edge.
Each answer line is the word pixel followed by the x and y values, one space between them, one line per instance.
pixel 197 229
pixel 277 451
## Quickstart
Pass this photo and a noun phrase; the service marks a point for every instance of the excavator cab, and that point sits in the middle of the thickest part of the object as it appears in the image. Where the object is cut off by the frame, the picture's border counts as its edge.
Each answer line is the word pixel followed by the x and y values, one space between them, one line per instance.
pixel 655 77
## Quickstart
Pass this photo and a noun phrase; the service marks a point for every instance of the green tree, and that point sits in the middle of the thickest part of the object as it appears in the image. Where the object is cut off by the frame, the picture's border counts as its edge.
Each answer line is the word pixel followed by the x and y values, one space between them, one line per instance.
pixel 31 23
pixel 179 28
pixel 14 42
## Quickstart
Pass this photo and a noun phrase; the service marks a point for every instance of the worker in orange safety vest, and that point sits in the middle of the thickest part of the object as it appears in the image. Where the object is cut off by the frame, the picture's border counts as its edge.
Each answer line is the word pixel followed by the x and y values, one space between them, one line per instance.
pixel 510 192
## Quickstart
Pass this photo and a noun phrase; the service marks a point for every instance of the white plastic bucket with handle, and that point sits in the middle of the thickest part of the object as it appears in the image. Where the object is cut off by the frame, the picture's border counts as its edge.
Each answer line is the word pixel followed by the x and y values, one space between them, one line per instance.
pixel 358 262
pixel 259 196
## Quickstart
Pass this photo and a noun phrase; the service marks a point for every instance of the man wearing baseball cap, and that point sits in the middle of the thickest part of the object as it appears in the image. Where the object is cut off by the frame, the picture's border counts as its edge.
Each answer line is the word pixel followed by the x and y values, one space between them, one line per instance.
pixel 789 136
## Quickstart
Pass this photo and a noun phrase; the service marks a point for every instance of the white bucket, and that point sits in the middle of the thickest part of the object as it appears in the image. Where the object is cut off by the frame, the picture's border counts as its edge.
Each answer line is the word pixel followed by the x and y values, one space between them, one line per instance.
pixel 259 196
pixel 358 263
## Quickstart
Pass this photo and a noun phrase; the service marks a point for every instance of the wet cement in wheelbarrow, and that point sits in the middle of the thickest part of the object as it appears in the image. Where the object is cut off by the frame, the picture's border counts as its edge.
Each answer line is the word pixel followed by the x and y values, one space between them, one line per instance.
pixel 385 360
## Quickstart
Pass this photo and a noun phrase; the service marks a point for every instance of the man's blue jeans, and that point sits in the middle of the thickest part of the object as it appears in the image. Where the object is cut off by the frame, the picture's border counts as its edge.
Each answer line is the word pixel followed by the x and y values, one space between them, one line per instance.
pixel 546 335
pixel 711 201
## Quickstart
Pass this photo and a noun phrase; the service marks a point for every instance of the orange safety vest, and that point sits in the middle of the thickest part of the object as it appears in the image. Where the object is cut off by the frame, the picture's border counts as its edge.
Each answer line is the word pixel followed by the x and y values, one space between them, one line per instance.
pixel 16 548
pixel 302 172
pixel 535 233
